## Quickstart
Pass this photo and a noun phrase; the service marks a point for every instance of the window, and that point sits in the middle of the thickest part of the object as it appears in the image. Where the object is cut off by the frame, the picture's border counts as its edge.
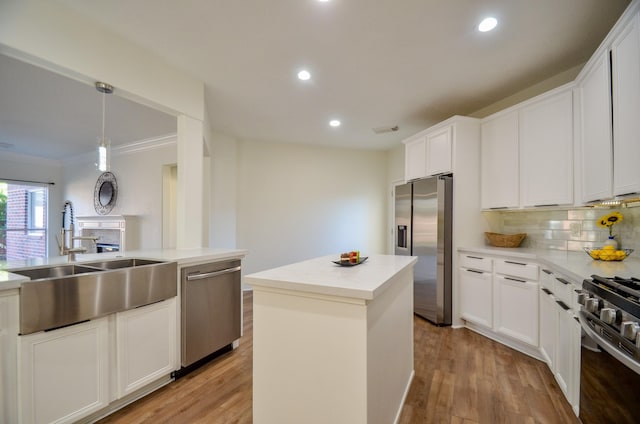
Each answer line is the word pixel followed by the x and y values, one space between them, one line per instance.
pixel 23 221
pixel 35 212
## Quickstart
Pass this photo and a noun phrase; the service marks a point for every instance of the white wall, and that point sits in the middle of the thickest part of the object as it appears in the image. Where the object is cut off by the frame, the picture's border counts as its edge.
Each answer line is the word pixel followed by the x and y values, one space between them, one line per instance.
pixel 28 168
pixel 51 35
pixel 395 175
pixel 223 192
pixel 54 36
pixel 296 202
pixel 139 177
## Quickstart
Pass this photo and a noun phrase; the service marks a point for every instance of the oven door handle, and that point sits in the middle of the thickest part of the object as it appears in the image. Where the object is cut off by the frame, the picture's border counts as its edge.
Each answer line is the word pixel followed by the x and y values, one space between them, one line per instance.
pixel 607 345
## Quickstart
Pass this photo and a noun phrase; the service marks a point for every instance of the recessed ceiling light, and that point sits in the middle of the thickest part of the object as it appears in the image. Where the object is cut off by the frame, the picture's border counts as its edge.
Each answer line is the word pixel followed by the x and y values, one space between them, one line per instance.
pixel 323 1
pixel 304 75
pixel 487 24
pixel 334 123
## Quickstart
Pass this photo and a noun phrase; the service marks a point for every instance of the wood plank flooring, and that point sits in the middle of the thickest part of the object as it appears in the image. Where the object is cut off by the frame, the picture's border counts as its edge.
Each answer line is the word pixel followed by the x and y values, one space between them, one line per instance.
pixel 460 378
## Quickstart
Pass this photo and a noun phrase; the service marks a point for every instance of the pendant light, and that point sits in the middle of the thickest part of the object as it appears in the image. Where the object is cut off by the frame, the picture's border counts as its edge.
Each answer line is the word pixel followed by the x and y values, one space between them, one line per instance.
pixel 104 144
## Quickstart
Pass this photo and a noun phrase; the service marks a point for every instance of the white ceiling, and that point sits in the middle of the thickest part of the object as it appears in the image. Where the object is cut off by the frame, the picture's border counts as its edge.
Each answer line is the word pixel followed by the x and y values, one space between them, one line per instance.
pixel 48 115
pixel 379 63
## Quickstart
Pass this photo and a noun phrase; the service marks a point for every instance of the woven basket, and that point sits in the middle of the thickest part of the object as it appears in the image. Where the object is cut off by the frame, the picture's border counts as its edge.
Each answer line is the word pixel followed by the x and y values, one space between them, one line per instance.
pixel 505 240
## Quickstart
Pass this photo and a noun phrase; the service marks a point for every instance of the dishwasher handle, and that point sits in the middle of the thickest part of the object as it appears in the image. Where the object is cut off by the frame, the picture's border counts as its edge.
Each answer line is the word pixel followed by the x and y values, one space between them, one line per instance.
pixel 193 277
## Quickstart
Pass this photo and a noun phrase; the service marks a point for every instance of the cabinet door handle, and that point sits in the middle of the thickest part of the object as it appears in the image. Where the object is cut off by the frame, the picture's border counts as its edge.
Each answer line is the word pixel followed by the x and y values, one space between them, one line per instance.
pixel 563 281
pixel 474 257
pixel 562 305
pixel 514 279
pixel 547 291
pixel 546 271
pixel 193 277
pixel 475 272
pixel 515 263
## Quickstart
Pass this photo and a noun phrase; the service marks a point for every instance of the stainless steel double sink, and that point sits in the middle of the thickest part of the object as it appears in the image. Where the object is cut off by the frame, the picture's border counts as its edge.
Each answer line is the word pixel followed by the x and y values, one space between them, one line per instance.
pixel 67 294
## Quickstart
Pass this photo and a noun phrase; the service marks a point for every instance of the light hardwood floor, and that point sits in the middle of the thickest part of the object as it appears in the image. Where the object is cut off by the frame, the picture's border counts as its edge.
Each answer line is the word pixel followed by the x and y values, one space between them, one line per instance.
pixel 460 377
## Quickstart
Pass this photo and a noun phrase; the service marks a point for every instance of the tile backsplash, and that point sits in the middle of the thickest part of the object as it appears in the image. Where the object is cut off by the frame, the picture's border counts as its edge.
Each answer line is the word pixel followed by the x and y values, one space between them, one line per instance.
pixel 570 229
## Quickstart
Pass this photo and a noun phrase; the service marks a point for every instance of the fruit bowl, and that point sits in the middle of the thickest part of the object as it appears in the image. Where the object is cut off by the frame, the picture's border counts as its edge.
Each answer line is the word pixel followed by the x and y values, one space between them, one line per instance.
pixel 607 253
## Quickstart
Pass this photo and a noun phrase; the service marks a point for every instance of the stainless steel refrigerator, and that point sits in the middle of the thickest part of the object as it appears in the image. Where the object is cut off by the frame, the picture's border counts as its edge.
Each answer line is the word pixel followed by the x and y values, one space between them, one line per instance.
pixel 423 229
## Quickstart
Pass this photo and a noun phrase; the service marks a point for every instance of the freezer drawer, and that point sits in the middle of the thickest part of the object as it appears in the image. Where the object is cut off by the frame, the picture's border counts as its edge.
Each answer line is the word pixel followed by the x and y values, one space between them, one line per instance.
pixel 211 308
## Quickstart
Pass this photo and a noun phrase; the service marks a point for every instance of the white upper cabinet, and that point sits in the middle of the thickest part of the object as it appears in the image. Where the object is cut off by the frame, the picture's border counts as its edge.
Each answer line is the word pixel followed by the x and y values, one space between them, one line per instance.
pixel 595 123
pixel 499 168
pixel 429 153
pixel 527 153
pixel 625 55
pixel 546 150
pixel 439 151
pixel 415 152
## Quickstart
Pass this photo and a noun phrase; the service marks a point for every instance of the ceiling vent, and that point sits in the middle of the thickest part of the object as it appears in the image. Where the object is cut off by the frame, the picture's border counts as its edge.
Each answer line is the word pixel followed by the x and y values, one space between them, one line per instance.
pixel 383 130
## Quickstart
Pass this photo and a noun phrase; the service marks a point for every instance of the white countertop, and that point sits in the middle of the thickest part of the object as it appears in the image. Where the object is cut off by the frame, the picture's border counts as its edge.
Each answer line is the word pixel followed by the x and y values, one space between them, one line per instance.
pixel 321 276
pixel 181 256
pixel 575 265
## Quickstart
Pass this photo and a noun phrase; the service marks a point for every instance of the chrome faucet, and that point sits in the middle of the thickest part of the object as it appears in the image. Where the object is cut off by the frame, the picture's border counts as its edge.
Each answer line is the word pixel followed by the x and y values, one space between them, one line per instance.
pixel 66 235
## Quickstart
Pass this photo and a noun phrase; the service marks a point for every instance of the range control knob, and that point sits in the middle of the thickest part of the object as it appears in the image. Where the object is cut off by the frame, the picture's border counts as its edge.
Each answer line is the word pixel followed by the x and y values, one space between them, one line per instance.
pixel 592 304
pixel 608 315
pixel 629 329
pixel 582 297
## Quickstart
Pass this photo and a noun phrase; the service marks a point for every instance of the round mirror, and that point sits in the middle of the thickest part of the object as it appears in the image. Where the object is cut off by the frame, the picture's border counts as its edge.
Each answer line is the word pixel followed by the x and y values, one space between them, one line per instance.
pixel 105 193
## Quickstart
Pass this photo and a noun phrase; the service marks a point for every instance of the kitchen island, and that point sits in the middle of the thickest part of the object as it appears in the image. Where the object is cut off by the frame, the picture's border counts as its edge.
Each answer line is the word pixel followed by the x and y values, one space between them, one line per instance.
pixel 331 343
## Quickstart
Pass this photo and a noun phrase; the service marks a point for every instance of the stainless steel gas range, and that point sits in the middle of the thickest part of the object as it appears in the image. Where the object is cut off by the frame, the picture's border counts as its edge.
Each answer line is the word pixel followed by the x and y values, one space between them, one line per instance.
pixel 610 355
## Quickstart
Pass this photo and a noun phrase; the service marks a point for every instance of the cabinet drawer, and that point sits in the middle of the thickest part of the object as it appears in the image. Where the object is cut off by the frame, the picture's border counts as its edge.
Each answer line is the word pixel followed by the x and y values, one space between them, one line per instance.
pixel 563 289
pixel 547 279
pixel 518 269
pixel 469 260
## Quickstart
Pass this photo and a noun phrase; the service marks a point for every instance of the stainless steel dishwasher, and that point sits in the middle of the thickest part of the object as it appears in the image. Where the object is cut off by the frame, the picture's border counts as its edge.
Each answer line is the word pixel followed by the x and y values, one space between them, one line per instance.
pixel 211 309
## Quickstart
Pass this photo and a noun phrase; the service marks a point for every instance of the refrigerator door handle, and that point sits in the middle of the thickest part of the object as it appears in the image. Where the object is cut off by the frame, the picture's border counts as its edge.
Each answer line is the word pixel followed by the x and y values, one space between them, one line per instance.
pixel 402 236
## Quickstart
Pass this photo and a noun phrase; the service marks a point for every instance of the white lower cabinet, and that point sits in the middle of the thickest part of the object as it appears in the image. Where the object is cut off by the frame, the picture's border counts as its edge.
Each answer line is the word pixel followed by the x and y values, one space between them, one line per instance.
pixel 69 373
pixel 560 333
pixel 476 303
pixel 516 308
pixel 145 339
pixel 548 327
pixel 510 301
pixel 9 329
pixel 64 373
pixel 564 355
pixel 576 344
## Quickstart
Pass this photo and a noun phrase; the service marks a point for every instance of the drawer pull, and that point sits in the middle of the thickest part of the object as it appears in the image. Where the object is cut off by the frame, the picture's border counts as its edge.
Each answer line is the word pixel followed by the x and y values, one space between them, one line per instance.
pixel 563 281
pixel 475 272
pixel 546 271
pixel 514 279
pixel 515 263
pixel 474 257
pixel 562 305
pixel 547 291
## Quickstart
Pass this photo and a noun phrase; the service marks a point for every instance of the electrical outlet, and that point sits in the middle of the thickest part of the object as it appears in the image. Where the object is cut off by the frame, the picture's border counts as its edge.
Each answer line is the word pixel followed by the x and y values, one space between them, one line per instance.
pixel 576 229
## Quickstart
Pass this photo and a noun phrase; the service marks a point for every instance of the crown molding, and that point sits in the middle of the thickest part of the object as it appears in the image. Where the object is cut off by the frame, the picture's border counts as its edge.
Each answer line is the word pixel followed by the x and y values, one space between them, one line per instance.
pixel 134 147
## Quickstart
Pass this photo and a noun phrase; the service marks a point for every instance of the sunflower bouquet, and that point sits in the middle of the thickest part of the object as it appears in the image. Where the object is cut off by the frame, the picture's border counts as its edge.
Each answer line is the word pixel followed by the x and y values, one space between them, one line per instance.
pixel 608 221
pixel 609 251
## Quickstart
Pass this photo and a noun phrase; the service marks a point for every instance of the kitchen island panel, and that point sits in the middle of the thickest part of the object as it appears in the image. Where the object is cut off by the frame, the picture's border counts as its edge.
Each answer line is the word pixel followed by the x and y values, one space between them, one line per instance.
pixel 309 359
pixel 329 358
